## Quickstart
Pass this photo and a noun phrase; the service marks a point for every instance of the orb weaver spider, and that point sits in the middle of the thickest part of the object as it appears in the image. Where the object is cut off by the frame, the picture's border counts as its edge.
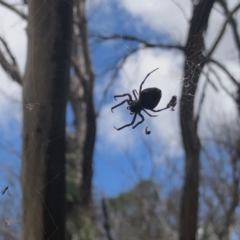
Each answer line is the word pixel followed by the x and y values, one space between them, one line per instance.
pixel 148 99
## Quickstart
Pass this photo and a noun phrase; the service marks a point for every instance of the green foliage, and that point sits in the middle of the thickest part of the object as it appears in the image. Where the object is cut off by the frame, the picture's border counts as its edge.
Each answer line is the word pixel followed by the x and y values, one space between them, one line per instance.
pixel 87 231
pixel 136 212
pixel 83 230
pixel 79 226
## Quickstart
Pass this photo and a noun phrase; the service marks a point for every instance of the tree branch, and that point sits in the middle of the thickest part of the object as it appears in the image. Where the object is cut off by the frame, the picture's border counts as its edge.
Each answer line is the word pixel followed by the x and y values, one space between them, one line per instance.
pixel 230 213
pixel 12 8
pixel 215 44
pixel 220 83
pixel 211 60
pixel 10 69
pixel 123 59
pixel 8 51
pixel 139 40
pixel 232 22
pixel 181 9
pixel 201 101
pixel 8 234
pixel 78 73
pixel 106 224
pixel 119 64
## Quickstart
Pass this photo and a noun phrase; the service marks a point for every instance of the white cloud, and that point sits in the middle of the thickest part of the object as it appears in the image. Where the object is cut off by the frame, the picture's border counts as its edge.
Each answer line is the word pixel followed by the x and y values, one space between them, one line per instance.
pixel 162 16
pixel 169 17
pixel 12 29
pixel 167 78
pixel 165 17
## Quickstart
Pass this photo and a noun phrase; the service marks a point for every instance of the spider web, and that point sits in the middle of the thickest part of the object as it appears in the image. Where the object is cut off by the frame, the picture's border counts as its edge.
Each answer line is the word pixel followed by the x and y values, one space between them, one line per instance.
pixel 170 84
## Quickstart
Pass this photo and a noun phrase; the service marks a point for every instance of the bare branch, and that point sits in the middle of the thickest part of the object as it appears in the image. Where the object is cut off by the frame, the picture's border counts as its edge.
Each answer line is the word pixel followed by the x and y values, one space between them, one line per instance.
pixel 12 8
pixel 8 234
pixel 106 225
pixel 78 73
pixel 233 23
pixel 201 101
pixel 211 60
pixel 230 213
pixel 145 44
pixel 215 44
pixel 119 64
pixel 220 83
pixel 139 40
pixel 181 9
pixel 212 84
pixel 8 51
pixel 10 69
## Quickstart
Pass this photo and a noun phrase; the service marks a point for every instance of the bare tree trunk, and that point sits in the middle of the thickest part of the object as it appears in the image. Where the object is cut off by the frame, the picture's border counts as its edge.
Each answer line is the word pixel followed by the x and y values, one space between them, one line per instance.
pixel 46 82
pixel 192 69
pixel 85 74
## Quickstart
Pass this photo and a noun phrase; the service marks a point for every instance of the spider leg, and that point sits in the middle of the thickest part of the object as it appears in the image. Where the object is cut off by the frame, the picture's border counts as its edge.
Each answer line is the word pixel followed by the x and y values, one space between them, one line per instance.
pixel 159 109
pixel 149 114
pixel 126 94
pixel 127 125
pixel 139 121
pixel 135 93
pixel 140 88
pixel 119 104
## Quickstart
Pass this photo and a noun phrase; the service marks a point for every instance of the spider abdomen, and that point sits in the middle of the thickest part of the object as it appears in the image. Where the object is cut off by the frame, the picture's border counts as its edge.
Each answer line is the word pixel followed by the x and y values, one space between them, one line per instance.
pixel 150 97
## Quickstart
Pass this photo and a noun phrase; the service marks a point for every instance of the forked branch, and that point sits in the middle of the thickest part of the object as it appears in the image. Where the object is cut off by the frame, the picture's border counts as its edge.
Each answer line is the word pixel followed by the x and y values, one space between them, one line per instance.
pixel 138 40
pixel 12 8
pixel 219 37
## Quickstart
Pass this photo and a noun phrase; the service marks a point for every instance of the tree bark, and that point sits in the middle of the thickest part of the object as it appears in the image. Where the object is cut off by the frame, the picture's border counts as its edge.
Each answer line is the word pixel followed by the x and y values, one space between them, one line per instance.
pixel 193 66
pixel 46 83
pixel 85 74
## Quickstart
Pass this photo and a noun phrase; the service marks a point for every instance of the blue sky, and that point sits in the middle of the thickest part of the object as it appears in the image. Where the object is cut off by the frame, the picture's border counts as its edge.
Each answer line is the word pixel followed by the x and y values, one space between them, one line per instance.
pixel 117 153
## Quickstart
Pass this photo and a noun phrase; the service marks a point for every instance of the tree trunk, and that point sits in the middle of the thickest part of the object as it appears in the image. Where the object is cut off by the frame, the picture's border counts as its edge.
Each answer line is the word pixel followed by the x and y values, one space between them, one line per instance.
pixel 46 83
pixel 86 76
pixel 192 70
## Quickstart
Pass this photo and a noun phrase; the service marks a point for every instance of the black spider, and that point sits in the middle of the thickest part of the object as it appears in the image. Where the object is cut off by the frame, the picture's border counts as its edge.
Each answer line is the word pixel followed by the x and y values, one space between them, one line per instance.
pixel 148 99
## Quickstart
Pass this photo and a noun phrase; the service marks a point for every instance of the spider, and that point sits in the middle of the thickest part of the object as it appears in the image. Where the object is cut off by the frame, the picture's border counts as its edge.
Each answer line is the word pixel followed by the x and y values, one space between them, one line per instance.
pixel 148 99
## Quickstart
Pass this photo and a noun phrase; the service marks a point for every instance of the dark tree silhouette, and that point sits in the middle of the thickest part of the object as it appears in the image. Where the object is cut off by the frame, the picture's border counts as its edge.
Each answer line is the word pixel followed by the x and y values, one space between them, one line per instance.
pixel 193 60
pixel 46 81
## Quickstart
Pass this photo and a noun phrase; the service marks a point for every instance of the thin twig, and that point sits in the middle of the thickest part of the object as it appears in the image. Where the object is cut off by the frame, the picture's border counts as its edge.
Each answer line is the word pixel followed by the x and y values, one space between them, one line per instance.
pixel 201 101
pixel 8 51
pixel 119 64
pixel 106 224
pixel 220 83
pixel 215 44
pixel 12 8
pixel 139 40
pixel 8 234
pixel 233 23
pixel 211 60
pixel 10 69
pixel 181 9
